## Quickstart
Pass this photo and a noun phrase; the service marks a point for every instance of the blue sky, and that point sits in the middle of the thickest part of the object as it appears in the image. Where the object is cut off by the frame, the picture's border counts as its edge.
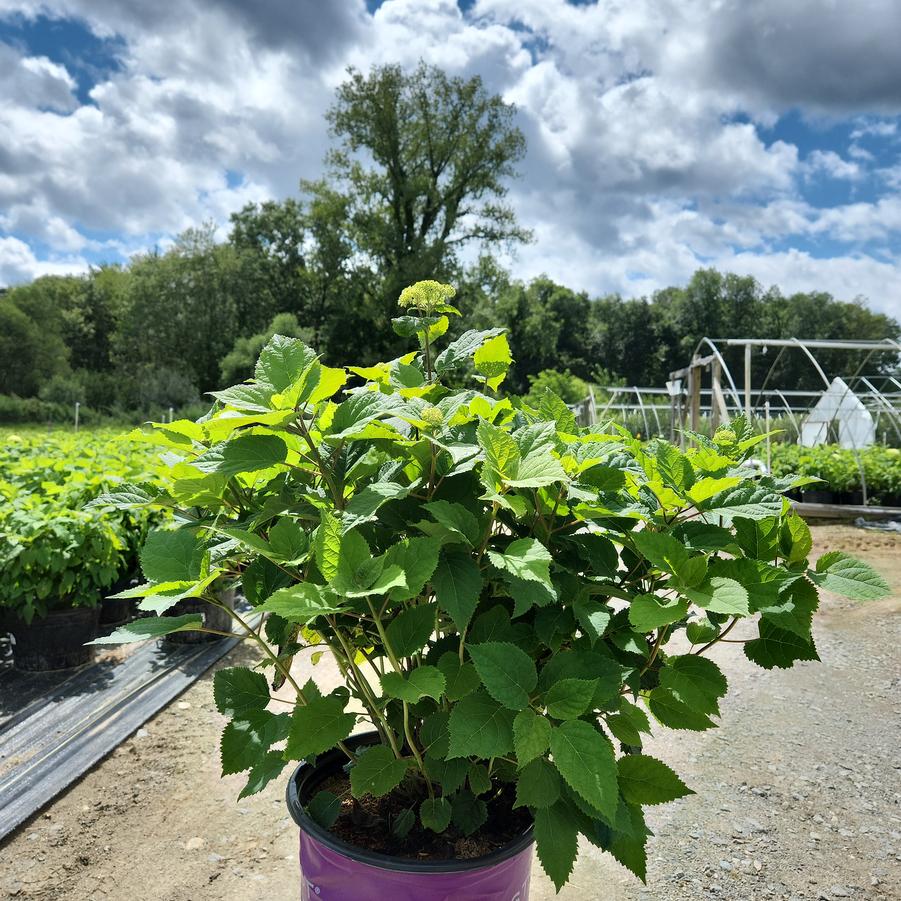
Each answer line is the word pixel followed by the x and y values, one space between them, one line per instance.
pixel 761 138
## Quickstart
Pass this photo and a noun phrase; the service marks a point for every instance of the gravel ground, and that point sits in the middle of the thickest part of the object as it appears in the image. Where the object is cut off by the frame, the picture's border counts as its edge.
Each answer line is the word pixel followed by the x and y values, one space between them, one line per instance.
pixel 798 792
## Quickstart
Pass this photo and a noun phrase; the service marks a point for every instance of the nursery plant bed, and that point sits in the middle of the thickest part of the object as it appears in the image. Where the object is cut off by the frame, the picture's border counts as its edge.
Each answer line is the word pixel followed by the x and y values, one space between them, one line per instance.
pixel 55 726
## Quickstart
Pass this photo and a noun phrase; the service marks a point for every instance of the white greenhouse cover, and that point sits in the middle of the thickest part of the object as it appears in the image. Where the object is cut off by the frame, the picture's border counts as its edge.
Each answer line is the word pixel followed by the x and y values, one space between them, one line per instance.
pixel 839 405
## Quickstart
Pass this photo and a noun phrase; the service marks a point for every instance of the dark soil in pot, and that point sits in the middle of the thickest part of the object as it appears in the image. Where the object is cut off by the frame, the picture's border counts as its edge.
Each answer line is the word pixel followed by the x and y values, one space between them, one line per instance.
pixel 56 641
pixel 213 618
pixel 362 829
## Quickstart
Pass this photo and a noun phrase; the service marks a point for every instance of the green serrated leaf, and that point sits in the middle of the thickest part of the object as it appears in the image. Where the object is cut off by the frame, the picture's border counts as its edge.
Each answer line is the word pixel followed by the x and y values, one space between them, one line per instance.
pixel 324 808
pixel 585 759
pixel 376 772
pixel 531 736
pixel 461 678
pixel 424 681
pixel 237 690
pixel 525 558
pixel 507 671
pixel 151 627
pixel 480 727
pixel 556 841
pixel 695 680
pixel 675 714
pixel 318 726
pixel 409 631
pixel 570 698
pixel 469 812
pixel 648 612
pixel 538 784
pixel 720 595
pixel 435 814
pixel 266 768
pixel 777 647
pixel 843 574
pixel 458 584
pixel 645 780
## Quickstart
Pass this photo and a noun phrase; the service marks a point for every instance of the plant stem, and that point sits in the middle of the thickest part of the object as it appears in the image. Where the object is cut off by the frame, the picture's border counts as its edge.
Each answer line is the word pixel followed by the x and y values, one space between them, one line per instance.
pixel 719 637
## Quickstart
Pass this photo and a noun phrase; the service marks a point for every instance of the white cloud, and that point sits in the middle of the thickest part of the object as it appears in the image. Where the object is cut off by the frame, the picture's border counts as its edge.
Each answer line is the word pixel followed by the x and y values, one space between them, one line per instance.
pixel 19 264
pixel 645 157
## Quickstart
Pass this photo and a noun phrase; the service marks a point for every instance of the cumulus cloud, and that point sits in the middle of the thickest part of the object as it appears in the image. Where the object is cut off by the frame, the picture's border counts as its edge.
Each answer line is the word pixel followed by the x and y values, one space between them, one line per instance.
pixel 646 124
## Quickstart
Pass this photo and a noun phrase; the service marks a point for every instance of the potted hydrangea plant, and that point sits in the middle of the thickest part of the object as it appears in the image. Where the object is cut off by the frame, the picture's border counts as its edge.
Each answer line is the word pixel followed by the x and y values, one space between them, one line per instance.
pixel 511 600
pixel 54 567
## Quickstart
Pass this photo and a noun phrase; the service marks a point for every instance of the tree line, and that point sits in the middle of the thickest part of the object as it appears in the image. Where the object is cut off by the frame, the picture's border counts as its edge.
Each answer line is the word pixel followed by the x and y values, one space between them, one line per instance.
pixel 415 183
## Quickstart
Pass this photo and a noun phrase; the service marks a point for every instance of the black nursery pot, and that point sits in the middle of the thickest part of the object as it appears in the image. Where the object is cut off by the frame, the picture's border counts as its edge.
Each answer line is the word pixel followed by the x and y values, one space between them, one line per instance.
pixel 56 641
pixel 213 618
pixel 116 611
pixel 818 497
pixel 335 870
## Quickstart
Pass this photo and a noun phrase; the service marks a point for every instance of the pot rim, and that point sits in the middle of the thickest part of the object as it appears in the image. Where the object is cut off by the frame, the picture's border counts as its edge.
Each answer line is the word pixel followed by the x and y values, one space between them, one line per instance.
pixel 306 772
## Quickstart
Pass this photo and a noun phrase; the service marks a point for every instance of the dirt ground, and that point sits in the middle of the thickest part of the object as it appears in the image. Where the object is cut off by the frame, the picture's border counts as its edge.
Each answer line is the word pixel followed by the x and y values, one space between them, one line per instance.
pixel 798 792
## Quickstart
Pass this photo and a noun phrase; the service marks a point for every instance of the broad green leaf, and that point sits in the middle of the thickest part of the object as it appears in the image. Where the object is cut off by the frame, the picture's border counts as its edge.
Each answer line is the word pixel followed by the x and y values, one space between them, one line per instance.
pixel 479 780
pixel 246 453
pixel 252 398
pixel 525 558
pixel 793 608
pixel 264 770
pixel 469 812
pixel 327 545
pixel 529 594
pixel 480 727
pixel 457 352
pixel 748 501
pixel 461 679
pixel 324 808
pixel 507 671
pixel 169 556
pixel 151 627
pixel 435 814
pixel 593 616
pixel 538 785
pixel 376 772
pixel 409 631
pixel 556 842
pixel 843 574
pixel 492 360
pixel 585 759
pixel 237 690
pixel 363 506
pixel 664 551
pixel 720 595
pixel 456 518
pixel 795 539
pixel 458 584
pixel 570 698
pixel 776 647
pixel 246 740
pixel 673 713
pixel 449 774
pixel 287 541
pixel 501 454
pixel 417 558
pixel 648 612
pixel 282 361
pixel 531 735
pixel 302 603
pixel 700 631
pixel 318 726
pixel 695 680
pixel 125 497
pixel 424 681
pixel 645 780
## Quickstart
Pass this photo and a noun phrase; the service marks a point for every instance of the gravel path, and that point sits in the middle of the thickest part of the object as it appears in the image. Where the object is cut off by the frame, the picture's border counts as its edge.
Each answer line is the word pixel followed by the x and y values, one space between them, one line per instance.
pixel 799 792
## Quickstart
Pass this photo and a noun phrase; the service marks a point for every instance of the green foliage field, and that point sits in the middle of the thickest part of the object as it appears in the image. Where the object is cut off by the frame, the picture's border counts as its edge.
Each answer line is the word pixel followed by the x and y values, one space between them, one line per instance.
pixel 53 551
pixel 843 470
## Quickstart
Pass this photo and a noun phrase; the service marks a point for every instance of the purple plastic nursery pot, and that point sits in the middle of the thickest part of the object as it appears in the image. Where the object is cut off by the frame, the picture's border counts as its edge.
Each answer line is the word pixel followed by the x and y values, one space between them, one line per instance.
pixel 333 870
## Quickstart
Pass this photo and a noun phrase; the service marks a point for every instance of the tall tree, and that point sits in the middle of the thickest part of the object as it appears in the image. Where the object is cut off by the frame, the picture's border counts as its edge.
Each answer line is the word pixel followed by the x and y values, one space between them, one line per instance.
pixel 420 172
